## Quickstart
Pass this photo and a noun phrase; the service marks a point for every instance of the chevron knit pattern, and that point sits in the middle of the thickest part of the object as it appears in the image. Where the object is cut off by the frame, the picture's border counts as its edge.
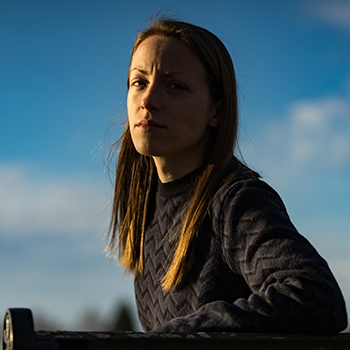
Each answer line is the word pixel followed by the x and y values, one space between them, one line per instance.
pixel 253 272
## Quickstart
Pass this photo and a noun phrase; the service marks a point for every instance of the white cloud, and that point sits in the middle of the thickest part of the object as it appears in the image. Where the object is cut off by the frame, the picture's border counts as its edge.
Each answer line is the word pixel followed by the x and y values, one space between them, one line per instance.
pixel 37 205
pixel 319 132
pixel 51 229
pixel 334 12
pixel 311 137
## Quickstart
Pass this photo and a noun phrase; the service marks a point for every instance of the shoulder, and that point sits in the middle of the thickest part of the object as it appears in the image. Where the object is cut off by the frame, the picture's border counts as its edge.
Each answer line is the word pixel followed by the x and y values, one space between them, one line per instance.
pixel 243 189
pixel 249 213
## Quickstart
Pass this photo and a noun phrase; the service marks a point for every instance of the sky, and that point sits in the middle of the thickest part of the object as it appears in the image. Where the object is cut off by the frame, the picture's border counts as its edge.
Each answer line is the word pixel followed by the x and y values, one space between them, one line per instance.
pixel 62 102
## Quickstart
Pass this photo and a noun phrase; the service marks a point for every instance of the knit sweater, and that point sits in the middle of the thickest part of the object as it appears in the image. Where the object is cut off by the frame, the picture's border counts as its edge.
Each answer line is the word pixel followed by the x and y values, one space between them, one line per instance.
pixel 252 271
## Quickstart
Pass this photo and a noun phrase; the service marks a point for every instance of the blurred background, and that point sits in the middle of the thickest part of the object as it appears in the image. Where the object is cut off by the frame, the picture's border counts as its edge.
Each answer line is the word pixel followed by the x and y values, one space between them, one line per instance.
pixel 62 96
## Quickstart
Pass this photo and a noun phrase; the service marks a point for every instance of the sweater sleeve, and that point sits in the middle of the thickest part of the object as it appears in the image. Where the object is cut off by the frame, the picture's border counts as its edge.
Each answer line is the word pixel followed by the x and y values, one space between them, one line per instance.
pixel 292 287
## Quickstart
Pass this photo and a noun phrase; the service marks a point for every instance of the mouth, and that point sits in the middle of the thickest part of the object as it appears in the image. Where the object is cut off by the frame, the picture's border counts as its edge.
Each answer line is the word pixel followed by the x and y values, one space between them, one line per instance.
pixel 146 125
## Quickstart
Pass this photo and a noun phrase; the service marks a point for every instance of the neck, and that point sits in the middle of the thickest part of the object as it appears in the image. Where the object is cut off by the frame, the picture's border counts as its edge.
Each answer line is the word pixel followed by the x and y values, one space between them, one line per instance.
pixel 170 170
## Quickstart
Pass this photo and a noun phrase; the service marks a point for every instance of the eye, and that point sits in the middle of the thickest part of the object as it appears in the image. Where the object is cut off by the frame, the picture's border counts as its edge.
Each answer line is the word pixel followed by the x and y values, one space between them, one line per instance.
pixel 138 83
pixel 177 86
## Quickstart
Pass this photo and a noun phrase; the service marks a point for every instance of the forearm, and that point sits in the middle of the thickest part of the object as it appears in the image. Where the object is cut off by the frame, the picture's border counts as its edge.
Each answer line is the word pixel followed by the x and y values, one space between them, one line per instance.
pixel 282 308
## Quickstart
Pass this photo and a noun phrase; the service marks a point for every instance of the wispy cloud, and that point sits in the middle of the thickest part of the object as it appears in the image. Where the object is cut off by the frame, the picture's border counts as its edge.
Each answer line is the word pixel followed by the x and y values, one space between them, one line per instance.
pixel 319 132
pixel 35 205
pixel 312 136
pixel 51 233
pixel 335 12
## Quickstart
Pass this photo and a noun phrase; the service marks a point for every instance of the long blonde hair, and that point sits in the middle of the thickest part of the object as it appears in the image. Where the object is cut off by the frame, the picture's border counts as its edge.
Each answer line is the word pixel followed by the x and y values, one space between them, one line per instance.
pixel 135 175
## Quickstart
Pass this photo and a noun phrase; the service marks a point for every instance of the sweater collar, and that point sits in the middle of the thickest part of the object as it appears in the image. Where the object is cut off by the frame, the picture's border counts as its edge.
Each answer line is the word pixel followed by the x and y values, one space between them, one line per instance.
pixel 187 182
pixel 178 186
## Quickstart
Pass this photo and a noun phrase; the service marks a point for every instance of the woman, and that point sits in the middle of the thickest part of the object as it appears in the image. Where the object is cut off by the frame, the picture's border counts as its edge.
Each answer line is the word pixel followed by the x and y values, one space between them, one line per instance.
pixel 210 245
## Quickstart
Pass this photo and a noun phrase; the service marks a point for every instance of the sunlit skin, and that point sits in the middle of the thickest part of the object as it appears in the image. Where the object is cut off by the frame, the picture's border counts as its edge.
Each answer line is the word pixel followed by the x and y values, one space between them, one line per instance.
pixel 170 109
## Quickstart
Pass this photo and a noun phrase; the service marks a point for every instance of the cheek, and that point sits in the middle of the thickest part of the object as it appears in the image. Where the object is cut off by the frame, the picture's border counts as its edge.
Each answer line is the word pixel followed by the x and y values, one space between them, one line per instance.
pixel 136 141
pixel 131 112
pixel 128 106
pixel 196 116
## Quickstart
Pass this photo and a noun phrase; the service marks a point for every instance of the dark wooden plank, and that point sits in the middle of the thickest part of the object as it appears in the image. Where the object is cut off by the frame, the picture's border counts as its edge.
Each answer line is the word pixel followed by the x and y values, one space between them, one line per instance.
pixel 193 341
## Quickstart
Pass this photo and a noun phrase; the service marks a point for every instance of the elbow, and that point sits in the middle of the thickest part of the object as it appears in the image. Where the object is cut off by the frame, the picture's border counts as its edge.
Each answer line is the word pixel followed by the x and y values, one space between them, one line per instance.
pixel 340 317
pixel 335 319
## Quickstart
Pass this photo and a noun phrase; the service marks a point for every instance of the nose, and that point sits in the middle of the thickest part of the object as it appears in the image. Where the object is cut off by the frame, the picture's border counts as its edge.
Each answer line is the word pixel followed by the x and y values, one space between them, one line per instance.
pixel 151 99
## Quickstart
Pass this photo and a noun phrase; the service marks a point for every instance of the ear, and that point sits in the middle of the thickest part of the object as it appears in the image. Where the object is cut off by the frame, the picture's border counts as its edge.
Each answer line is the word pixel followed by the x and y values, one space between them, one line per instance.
pixel 214 122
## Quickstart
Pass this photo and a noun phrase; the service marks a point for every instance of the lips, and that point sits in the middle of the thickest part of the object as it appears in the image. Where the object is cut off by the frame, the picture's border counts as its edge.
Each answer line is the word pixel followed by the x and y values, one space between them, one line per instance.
pixel 148 124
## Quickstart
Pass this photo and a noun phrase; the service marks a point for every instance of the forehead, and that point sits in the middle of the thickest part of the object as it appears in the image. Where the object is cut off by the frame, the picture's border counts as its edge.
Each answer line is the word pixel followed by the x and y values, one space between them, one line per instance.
pixel 165 54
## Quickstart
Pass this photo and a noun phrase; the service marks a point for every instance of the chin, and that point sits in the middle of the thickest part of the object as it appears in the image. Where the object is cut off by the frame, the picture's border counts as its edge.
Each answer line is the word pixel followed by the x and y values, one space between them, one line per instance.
pixel 145 151
pixel 149 150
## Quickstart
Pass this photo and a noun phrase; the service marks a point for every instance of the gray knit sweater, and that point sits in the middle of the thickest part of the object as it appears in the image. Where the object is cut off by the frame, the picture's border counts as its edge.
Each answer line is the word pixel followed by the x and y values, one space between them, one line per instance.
pixel 253 272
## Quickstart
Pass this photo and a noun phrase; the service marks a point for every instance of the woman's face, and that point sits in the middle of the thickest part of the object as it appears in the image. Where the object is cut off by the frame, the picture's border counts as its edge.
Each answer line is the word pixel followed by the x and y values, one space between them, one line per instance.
pixel 170 110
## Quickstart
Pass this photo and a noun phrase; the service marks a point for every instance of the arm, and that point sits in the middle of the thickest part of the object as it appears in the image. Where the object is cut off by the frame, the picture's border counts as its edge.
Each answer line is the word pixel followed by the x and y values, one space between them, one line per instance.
pixel 293 290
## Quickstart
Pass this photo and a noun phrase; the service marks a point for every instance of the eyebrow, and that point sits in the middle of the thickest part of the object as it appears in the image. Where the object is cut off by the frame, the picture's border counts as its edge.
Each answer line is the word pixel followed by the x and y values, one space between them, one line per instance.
pixel 166 73
pixel 139 70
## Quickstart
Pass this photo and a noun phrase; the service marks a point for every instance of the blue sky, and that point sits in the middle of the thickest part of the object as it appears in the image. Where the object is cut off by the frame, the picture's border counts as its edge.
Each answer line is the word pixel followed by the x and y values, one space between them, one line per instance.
pixel 63 84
